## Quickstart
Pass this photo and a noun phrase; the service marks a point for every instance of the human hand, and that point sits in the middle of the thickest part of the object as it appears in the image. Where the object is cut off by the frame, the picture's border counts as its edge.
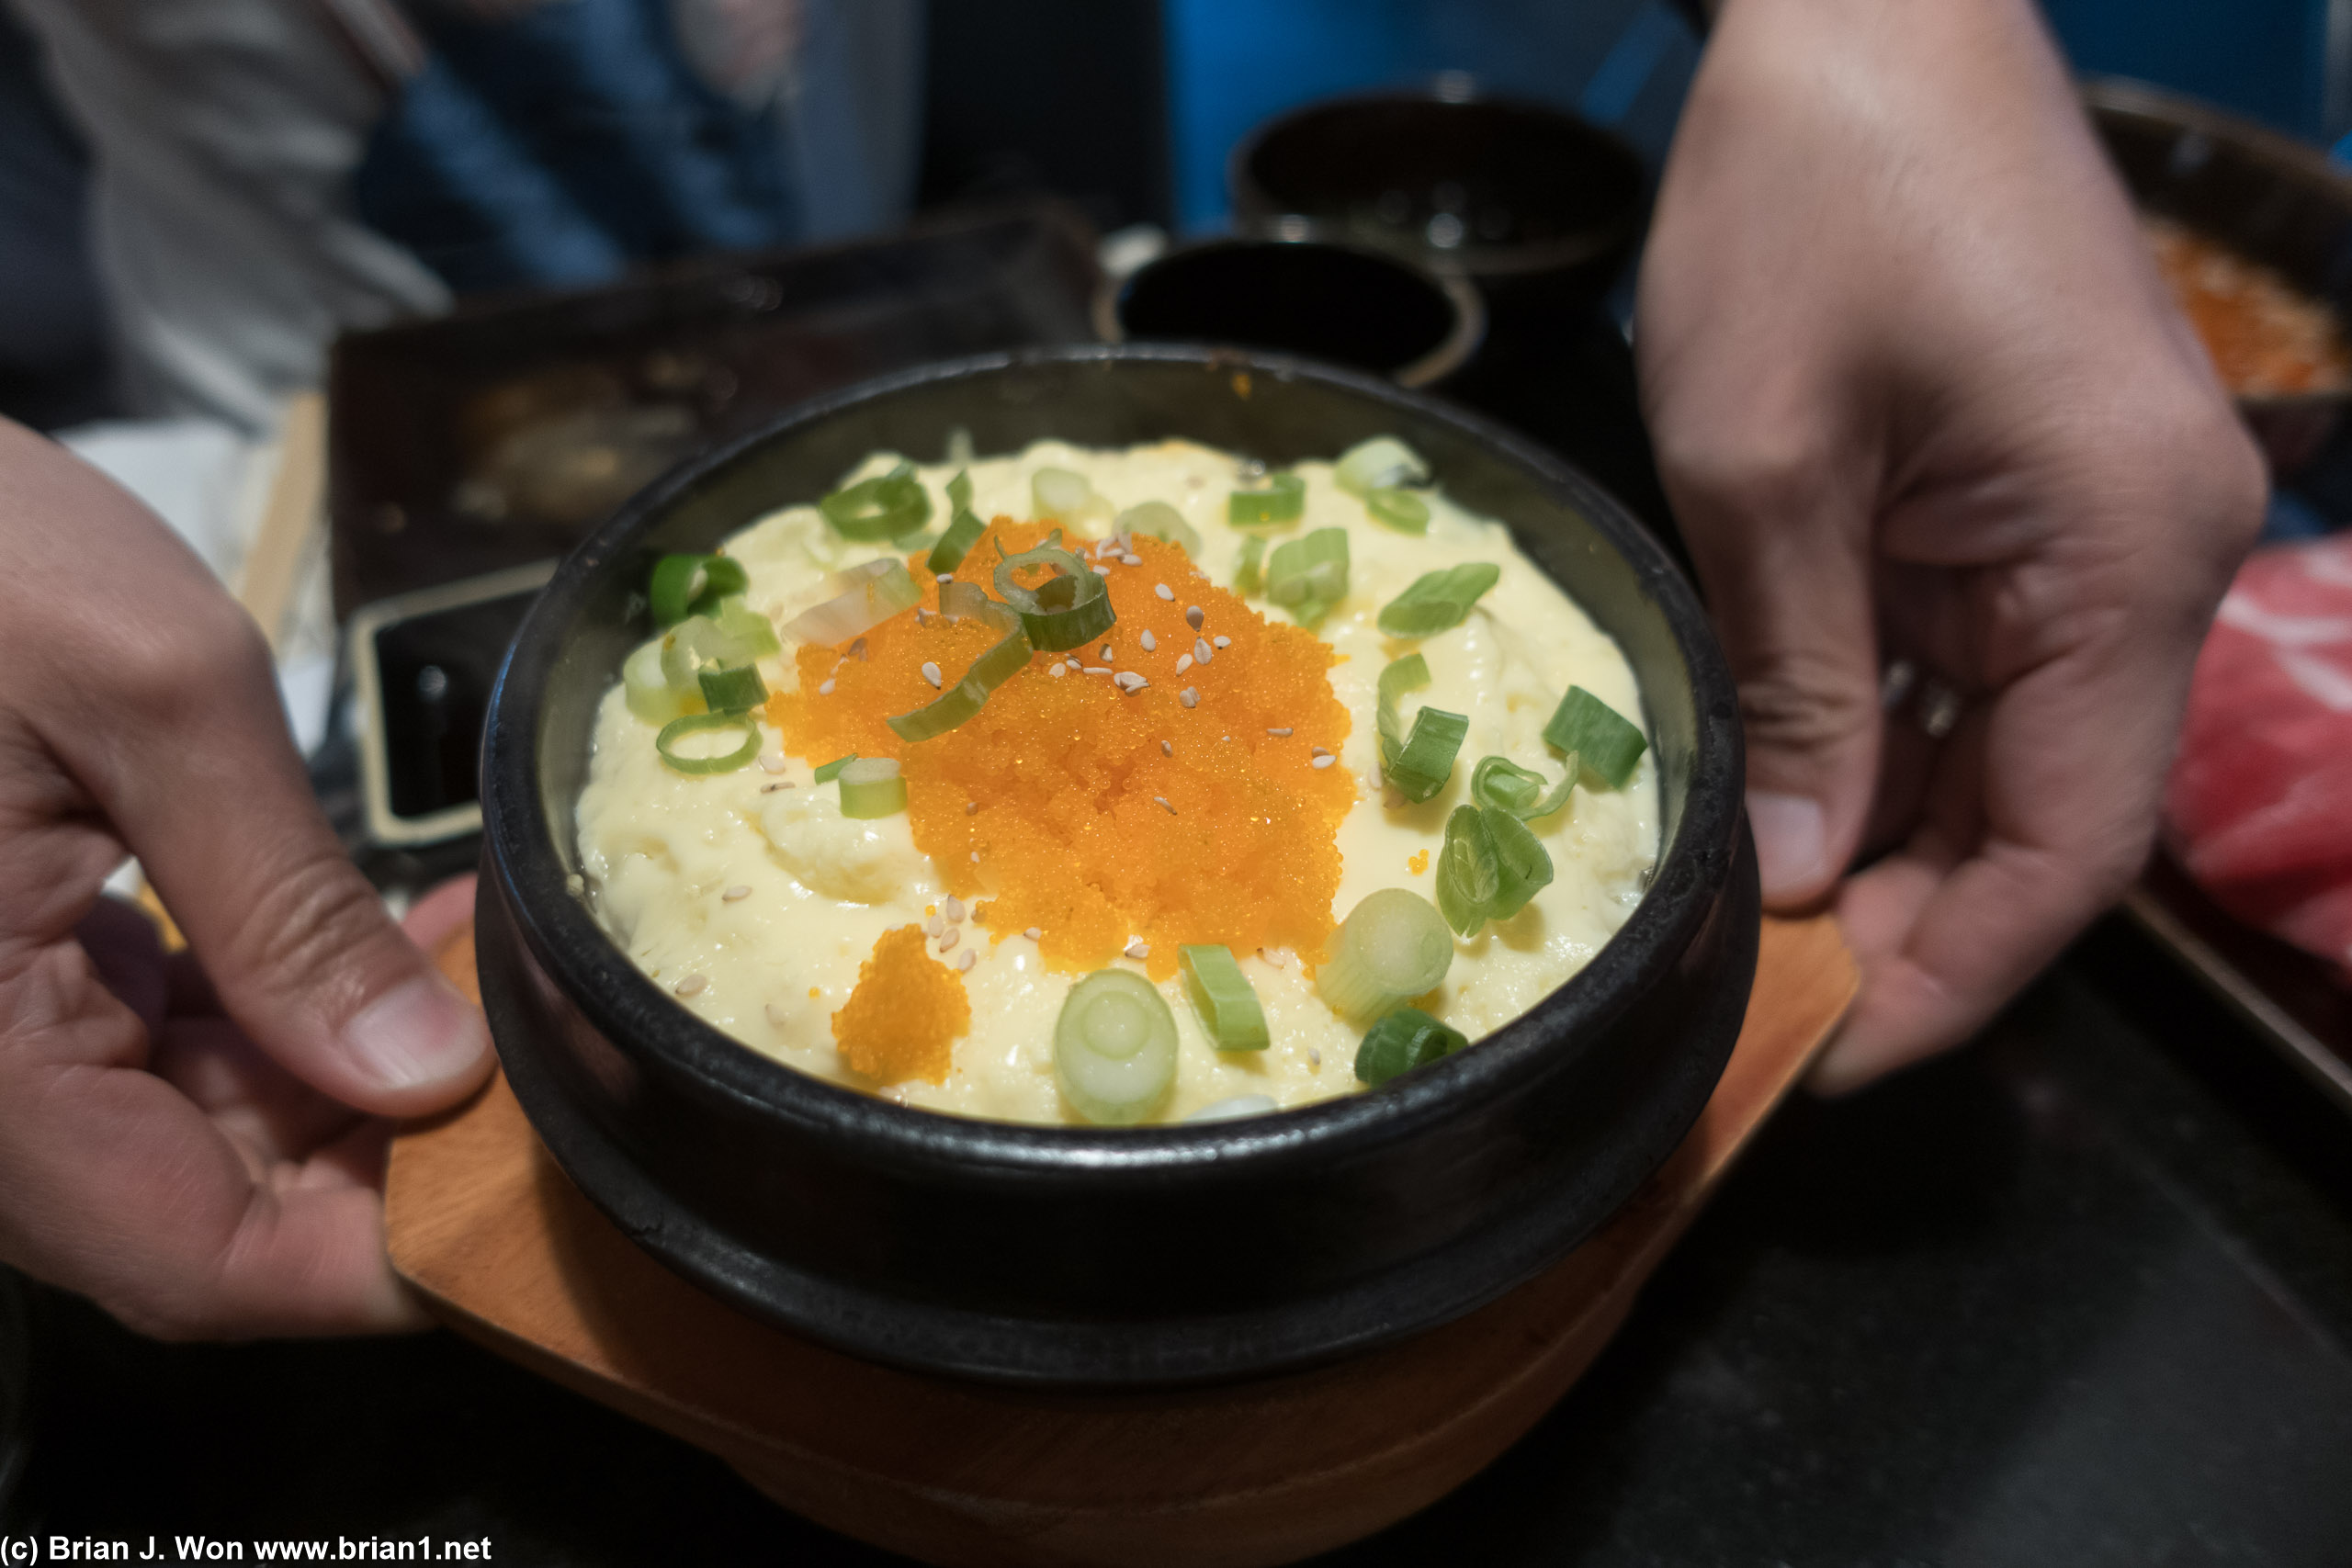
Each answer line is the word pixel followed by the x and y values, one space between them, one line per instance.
pixel 1918 395
pixel 194 1142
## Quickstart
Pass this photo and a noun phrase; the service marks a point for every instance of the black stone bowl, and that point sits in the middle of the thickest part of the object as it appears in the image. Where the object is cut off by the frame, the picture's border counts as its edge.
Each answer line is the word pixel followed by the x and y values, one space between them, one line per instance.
pixel 1107 1259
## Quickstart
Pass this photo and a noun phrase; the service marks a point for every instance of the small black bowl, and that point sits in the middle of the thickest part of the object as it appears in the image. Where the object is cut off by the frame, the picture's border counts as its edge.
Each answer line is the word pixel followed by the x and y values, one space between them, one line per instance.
pixel 1296 295
pixel 2268 198
pixel 1095 1258
pixel 1532 202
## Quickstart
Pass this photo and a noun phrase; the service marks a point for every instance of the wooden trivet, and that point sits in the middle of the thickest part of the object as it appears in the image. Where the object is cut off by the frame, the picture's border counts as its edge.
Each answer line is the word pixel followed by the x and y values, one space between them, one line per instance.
pixel 508 1252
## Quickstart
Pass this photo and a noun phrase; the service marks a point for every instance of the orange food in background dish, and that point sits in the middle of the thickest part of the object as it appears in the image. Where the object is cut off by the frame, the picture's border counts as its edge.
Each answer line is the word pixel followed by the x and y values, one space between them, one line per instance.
pixel 1104 815
pixel 2265 337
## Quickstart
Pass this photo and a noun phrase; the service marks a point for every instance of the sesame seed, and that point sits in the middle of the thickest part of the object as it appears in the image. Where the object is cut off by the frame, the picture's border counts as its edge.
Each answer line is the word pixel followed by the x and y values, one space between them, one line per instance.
pixel 1034 934
pixel 1183 663
pixel 1223 641
pixel 1322 751
pixel 971 808
pixel 1201 654
pixel 1131 560
pixel 771 789
pixel 1188 697
pixel 1097 668
pixel 1192 616
pixel 933 926
pixel 771 761
pixel 1164 592
pixel 953 909
pixel 931 673
pixel 1322 762
pixel 1273 956
pixel 923 616
pixel 825 687
pixel 1107 658
pixel 1138 948
pixel 1163 801
pixel 1150 642
pixel 778 1016
pixel 690 985
pixel 1166 749
pixel 947 577
pixel 1313 1059
pixel 1071 662
pixel 953 935
pixel 1102 571
pixel 975 857
pixel 1057 669
pixel 857 650
pixel 971 957
pixel 1283 733
pixel 735 893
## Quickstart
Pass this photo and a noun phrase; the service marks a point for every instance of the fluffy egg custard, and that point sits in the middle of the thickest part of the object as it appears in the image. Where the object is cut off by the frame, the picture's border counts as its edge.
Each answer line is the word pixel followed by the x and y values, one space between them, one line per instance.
pixel 1108 787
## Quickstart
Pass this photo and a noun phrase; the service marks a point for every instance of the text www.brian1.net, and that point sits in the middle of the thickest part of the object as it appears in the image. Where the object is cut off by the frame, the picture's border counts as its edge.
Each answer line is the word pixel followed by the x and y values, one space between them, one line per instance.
pixel 189 1549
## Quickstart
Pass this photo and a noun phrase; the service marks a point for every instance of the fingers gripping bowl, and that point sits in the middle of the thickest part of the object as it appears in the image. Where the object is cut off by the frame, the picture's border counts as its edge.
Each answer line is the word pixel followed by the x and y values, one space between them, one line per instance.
pixel 1112 1257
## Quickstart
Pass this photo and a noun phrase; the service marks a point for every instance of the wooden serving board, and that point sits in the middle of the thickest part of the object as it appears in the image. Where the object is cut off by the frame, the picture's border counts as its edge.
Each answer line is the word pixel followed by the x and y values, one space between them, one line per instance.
pixel 508 1252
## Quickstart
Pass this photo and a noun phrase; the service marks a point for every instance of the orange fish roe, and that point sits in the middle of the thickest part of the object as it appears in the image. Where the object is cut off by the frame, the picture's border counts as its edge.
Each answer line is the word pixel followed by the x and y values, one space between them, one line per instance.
pixel 1418 862
pixel 904 1013
pixel 1104 815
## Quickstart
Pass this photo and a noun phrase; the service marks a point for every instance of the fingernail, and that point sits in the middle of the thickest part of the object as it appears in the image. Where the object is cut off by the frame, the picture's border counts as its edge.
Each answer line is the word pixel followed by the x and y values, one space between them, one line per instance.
pixel 1790 833
pixel 419 1033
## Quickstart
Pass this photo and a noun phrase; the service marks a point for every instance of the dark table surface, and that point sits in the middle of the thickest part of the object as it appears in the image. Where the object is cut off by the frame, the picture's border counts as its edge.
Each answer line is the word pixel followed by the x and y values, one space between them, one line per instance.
pixel 2079 1294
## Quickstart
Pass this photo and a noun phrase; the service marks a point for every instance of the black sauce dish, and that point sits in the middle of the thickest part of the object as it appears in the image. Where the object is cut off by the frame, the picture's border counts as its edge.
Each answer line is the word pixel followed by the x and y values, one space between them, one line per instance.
pixel 1102 1259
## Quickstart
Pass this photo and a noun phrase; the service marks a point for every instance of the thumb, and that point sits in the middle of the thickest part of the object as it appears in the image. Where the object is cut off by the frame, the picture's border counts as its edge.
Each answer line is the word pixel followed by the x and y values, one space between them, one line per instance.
pixel 210 796
pixel 1789 587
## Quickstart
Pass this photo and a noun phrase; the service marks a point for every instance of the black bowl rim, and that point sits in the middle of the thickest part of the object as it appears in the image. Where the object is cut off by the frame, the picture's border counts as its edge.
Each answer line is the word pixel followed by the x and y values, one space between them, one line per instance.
pixel 1452 354
pixel 1257 210
pixel 627 1007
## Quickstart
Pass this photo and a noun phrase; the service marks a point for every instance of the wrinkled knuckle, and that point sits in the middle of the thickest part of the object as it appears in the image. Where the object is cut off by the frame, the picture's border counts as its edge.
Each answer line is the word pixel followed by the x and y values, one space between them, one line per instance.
pixel 164 674
pixel 1798 707
pixel 303 922
pixel 1766 475
pixel 169 1316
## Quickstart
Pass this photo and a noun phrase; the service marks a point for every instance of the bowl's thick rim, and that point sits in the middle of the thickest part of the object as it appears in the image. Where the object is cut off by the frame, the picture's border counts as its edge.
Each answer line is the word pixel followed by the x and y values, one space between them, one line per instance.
pixel 630 1011
pixel 1257 208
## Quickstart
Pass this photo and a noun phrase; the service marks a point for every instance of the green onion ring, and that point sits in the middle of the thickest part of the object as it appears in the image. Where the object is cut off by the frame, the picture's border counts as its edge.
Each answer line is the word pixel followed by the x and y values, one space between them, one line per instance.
pixel 695 724
pixel 738 690
pixel 965 699
pixel 1505 786
pixel 1406 1039
pixel 1223 998
pixel 964 529
pixel 1438 599
pixel 1391 948
pixel 1283 501
pixel 1063 612
pixel 872 787
pixel 1418 764
pixel 831 770
pixel 884 507
pixel 1115 1048
pixel 1309 576
pixel 690 585
pixel 1605 744
pixel 1400 509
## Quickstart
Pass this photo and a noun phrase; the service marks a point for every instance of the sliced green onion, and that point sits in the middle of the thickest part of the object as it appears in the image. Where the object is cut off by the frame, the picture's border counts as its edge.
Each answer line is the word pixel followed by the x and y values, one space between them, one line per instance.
pixel 694 644
pixel 1160 521
pixel 884 507
pixel 1309 576
pixel 1250 577
pixel 831 770
pixel 1391 948
pixel 1223 998
pixel 1284 501
pixel 1007 658
pixel 872 594
pixel 646 690
pixel 1491 866
pixel 1505 786
pixel 871 787
pixel 964 530
pixel 1382 463
pixel 1400 509
pixel 1115 1048
pixel 1605 744
pixel 1438 599
pixel 1064 496
pixel 1419 764
pixel 690 585
pixel 733 691
pixel 1061 612
pixel 749 630
pixel 1406 1039
pixel 1236 1107
pixel 678 730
